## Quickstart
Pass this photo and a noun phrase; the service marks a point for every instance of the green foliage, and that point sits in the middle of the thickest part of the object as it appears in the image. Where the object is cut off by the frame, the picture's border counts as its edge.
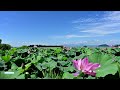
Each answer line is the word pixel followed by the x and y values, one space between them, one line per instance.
pixel 0 41
pixel 56 63
pixel 5 46
pixel 6 58
pixel 106 69
pixel 67 75
pixel 106 62
pixel 24 47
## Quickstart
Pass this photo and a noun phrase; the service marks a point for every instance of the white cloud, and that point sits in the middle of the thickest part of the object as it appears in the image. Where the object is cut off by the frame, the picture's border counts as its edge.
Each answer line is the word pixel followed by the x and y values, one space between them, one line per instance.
pixel 75 36
pixel 71 36
pixel 113 15
pixel 80 36
pixel 101 32
pixel 107 24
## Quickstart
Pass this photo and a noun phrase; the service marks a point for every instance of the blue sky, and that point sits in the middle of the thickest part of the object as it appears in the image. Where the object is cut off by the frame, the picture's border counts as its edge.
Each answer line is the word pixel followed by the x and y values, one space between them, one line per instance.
pixel 59 27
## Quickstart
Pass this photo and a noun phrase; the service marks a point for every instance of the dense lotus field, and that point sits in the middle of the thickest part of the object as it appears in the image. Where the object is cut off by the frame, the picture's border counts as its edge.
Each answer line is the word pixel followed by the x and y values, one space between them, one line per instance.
pixel 60 63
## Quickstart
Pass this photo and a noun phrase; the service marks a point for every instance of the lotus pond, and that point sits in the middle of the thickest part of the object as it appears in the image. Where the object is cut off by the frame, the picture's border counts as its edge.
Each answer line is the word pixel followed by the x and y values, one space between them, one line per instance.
pixel 60 63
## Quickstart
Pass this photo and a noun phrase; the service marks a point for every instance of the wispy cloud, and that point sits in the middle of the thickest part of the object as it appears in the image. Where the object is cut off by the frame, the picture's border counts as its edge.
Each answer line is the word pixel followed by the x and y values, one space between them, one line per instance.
pixel 112 16
pixel 102 25
pixel 104 29
pixel 108 24
pixel 81 36
pixel 75 36
pixel 101 32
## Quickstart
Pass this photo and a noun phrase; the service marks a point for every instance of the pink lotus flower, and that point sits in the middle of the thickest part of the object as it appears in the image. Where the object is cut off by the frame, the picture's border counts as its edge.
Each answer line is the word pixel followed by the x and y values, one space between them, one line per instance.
pixel 85 66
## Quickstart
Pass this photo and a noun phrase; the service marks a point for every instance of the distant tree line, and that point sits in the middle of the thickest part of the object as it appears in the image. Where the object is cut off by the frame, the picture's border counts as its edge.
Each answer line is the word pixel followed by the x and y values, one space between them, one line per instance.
pixel 117 45
pixel 4 46
pixel 105 45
